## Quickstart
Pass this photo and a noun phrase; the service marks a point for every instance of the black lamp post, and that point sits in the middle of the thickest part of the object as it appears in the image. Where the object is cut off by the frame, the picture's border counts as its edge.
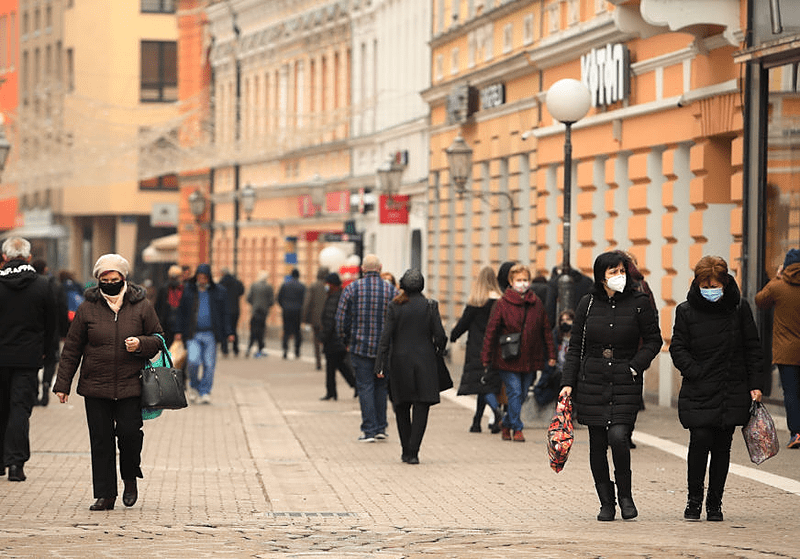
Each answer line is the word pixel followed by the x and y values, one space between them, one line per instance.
pixel 568 101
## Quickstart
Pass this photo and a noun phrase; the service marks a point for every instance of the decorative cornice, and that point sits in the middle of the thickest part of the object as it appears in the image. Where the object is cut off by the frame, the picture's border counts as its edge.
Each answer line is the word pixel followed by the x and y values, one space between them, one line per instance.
pixel 570 44
pixel 502 70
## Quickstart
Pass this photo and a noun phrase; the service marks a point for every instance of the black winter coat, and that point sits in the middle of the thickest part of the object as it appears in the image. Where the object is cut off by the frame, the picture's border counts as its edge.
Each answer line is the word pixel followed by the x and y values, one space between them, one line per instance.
pixel 605 391
pixel 412 335
pixel 29 315
pixel 716 348
pixel 332 344
pixel 474 321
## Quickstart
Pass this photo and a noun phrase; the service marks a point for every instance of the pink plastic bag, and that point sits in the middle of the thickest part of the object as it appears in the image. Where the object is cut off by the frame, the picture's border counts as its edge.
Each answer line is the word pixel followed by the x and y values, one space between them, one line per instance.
pixel 760 435
pixel 560 434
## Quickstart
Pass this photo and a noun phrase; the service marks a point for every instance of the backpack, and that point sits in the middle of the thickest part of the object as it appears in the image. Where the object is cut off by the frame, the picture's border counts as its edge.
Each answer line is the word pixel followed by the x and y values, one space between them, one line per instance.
pixel 74 299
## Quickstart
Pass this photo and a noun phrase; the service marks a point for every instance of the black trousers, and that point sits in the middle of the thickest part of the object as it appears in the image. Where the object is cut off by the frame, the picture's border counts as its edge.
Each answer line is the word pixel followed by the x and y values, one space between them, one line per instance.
pixel 617 437
pixel 333 362
pixel 18 391
pixel 291 328
pixel 111 420
pixel 702 442
pixel 235 343
pixel 412 419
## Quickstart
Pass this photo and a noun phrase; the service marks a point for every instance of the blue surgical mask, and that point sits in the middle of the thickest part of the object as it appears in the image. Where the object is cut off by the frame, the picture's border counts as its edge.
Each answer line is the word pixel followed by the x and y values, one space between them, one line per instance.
pixel 712 294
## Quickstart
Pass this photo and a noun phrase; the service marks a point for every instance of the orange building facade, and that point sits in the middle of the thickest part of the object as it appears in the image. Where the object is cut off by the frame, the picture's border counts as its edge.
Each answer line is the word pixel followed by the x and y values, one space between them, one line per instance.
pixel 9 98
pixel 658 162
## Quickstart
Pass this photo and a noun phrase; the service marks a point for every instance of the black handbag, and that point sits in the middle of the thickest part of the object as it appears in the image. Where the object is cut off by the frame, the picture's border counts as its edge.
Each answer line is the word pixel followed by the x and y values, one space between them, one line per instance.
pixel 511 344
pixel 162 387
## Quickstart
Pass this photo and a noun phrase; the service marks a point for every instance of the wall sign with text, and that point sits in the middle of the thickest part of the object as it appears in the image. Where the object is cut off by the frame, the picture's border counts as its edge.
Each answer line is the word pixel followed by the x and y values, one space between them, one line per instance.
pixel 493 96
pixel 606 72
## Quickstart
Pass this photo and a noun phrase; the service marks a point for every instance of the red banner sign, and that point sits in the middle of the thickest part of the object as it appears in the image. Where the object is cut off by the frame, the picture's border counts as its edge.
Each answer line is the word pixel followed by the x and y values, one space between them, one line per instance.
pixel 394 209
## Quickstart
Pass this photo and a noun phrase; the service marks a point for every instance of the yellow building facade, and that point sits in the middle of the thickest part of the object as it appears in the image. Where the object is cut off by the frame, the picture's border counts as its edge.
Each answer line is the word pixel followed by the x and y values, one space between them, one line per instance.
pixel 281 134
pixel 657 162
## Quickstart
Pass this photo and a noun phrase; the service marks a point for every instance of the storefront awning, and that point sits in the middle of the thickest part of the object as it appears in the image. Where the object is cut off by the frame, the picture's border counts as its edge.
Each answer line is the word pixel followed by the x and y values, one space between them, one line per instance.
pixel 163 250
pixel 52 231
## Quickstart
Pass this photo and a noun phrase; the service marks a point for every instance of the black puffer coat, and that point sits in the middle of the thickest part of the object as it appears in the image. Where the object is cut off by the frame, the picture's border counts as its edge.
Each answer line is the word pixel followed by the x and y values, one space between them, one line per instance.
pixel 716 348
pixel 474 321
pixel 96 342
pixel 605 391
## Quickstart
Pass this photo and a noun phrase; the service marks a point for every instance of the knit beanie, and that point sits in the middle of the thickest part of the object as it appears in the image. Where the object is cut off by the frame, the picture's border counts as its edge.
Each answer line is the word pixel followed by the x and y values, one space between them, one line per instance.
pixel 412 281
pixel 333 279
pixel 111 262
pixel 792 257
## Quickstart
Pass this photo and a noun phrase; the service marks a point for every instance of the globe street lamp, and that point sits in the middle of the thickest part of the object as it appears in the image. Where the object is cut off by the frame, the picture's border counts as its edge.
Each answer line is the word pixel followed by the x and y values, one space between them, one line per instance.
pixel 568 101
pixel 248 196
pixel 197 204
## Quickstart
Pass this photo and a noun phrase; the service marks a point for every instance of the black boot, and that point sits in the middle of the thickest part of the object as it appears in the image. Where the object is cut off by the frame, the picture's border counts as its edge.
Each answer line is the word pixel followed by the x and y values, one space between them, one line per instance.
pixel 694 503
pixel 714 506
pixel 626 505
pixel 476 425
pixel 608 506
pixel 497 426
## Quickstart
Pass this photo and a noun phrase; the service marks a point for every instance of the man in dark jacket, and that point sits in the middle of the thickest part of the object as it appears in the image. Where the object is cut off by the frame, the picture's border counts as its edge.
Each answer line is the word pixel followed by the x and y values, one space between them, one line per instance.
pixel 28 323
pixel 235 290
pixel 203 320
pixel 167 301
pixel 332 345
pixel 290 298
pixel 62 326
pixel 313 302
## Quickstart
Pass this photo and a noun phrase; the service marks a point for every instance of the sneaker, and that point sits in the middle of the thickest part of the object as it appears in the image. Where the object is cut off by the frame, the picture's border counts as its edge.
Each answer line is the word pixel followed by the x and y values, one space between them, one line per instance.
pixel 205 399
pixel 506 434
pixel 364 438
pixel 381 436
pixel 795 442
pixel 192 395
pixel 519 437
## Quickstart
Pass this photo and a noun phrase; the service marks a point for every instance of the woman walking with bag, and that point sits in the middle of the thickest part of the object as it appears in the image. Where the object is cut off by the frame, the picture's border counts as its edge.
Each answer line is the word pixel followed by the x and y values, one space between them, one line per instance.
pixel 485 292
pixel 517 341
pixel 412 337
pixel 615 337
pixel 110 338
pixel 716 347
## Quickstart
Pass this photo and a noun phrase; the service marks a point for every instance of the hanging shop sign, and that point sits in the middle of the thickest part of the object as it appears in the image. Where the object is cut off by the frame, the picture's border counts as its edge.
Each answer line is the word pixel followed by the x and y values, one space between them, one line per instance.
pixel 394 209
pixel 606 72
pixel 493 96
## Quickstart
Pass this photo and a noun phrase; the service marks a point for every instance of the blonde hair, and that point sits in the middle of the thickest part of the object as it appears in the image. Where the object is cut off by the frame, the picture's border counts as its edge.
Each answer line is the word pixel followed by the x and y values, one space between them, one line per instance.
pixel 517 269
pixel 482 287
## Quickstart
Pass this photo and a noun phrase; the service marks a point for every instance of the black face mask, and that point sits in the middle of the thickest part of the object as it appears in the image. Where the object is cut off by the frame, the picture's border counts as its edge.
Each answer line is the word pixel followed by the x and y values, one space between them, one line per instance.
pixel 566 327
pixel 112 288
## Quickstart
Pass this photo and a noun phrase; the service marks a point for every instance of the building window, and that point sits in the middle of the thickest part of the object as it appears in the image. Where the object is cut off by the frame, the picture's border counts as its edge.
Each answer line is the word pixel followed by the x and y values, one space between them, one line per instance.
pixel 454 61
pixel 573 12
pixel 70 70
pixel 527 29
pixel 164 182
pixel 439 66
pixel 553 13
pixel 159 71
pixel 508 37
pixel 158 6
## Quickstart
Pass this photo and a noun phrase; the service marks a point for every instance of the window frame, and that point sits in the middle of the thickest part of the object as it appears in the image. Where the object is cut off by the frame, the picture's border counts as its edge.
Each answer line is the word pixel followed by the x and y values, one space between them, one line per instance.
pixel 161 85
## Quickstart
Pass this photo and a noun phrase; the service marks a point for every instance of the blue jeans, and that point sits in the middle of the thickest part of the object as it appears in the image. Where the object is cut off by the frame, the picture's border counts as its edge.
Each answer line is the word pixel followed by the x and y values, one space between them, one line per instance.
pixel 517 385
pixel 371 395
pixel 790 381
pixel 202 349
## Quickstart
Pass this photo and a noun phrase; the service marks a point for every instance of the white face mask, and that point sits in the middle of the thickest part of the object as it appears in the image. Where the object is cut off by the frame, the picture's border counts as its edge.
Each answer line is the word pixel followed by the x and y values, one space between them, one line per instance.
pixel 617 283
pixel 521 286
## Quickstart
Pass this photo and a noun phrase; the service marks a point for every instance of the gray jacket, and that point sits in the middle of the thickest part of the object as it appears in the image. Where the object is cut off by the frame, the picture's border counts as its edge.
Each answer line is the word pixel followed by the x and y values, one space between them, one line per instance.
pixel 261 296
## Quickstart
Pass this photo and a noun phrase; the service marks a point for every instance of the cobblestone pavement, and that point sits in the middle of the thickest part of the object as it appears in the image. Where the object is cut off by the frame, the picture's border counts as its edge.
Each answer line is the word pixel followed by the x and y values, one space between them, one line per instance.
pixel 269 470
